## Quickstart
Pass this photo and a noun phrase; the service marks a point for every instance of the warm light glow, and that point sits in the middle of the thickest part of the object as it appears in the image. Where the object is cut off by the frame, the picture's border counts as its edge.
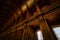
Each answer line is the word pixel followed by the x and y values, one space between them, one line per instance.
pixel 39 34
pixel 57 32
pixel 19 12
pixel 24 7
pixel 30 2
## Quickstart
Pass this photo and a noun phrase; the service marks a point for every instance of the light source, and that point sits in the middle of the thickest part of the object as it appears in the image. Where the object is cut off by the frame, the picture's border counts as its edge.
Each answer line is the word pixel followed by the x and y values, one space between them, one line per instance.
pixel 39 35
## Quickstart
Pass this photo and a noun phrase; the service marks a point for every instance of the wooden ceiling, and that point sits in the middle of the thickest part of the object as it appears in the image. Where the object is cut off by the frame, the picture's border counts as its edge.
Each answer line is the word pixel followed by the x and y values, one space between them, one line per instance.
pixel 13 12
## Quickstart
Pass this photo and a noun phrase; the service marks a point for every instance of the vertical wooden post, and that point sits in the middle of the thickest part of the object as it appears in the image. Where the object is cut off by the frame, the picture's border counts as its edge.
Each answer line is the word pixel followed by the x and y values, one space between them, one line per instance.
pixel 23 34
pixel 46 32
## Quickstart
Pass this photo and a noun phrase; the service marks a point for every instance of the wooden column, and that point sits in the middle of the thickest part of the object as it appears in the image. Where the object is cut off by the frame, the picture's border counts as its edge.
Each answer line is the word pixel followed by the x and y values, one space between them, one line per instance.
pixel 23 36
pixel 46 31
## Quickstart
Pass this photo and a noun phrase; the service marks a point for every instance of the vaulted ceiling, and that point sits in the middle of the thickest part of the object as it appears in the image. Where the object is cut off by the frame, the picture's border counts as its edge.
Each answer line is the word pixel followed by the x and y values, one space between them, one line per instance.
pixel 13 10
pixel 10 11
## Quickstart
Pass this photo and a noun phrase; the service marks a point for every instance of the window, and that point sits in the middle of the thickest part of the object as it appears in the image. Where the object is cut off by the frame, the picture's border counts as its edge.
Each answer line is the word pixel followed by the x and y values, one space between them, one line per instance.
pixel 39 35
pixel 57 32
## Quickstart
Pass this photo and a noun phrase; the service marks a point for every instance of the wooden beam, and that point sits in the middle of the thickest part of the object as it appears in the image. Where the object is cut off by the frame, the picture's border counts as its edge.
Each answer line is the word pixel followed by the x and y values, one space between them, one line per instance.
pixel 23 34
pixel 46 31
